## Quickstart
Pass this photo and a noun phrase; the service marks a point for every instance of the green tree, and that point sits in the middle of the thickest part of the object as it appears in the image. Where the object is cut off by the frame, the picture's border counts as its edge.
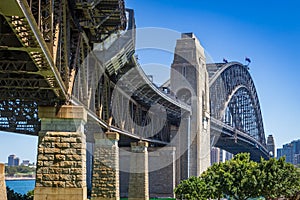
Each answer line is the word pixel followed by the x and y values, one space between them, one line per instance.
pixel 193 188
pixel 216 179
pixel 278 178
pixel 241 179
pixel 12 195
pixel 12 170
pixel 244 174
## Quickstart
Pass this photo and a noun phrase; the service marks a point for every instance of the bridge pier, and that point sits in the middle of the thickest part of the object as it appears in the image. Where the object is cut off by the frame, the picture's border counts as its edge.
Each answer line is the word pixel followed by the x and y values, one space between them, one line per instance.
pixel 105 181
pixel 3 195
pixel 61 161
pixel 139 176
pixel 162 171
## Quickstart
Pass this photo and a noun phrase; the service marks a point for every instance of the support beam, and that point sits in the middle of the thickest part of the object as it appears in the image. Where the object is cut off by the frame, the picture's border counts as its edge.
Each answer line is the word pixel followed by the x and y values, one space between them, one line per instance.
pixel 3 195
pixel 105 183
pixel 61 162
pixel 139 177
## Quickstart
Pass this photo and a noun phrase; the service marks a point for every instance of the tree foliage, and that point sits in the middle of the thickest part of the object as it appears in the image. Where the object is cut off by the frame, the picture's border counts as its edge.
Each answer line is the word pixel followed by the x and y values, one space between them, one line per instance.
pixel 193 189
pixel 243 183
pixel 12 195
pixel 12 170
pixel 278 178
pixel 241 179
pixel 216 179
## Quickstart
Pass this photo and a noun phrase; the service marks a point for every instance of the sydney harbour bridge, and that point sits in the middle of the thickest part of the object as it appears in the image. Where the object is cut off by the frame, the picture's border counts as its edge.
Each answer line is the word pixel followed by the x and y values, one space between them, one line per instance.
pixel 69 75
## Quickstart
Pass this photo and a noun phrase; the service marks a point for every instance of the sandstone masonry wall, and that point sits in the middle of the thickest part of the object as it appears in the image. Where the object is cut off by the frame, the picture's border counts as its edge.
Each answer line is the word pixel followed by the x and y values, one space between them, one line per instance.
pixel 105 182
pixel 3 195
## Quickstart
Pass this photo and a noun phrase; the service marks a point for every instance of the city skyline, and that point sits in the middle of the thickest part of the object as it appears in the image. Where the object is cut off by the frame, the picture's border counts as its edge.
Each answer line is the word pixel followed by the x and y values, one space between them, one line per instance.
pixel 266 32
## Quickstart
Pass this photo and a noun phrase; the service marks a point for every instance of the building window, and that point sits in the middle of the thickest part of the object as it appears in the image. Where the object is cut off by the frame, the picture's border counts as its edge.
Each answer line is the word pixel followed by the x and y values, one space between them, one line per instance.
pixel 183 70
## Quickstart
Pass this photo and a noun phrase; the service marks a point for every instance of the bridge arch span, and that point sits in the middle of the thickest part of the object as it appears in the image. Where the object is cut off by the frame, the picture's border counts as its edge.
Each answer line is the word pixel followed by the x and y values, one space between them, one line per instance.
pixel 234 98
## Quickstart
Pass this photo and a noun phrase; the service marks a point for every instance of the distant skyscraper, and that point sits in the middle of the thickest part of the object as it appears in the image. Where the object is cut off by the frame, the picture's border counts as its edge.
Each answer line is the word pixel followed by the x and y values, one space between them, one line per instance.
pixel 271 145
pixel 296 146
pixel 219 155
pixel 297 159
pixel 279 152
pixel 215 155
pixel 228 156
pixel 13 160
pixel 291 151
pixel 287 152
pixel 16 161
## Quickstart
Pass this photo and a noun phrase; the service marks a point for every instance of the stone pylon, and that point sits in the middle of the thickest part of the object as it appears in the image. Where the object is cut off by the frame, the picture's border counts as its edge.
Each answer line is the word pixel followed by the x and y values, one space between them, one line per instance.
pixel 61 161
pixel 190 84
pixel 3 195
pixel 139 175
pixel 105 181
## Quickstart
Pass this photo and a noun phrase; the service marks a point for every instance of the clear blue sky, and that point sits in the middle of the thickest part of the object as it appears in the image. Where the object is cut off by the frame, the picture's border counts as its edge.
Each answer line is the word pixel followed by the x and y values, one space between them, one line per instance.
pixel 266 31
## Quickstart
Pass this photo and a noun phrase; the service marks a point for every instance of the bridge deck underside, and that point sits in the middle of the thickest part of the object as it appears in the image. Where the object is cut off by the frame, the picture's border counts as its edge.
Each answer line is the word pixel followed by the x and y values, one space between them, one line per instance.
pixel 235 146
pixel 26 67
pixel 234 141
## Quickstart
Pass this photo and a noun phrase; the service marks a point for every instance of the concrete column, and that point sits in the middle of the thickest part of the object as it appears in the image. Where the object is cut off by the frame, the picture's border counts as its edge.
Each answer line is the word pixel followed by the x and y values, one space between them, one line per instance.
pixel 105 181
pixel 61 161
pixel 3 195
pixel 139 178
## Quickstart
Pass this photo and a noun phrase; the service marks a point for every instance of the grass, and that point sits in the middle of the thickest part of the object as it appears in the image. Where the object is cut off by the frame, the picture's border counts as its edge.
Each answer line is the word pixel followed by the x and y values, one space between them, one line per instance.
pixel 153 199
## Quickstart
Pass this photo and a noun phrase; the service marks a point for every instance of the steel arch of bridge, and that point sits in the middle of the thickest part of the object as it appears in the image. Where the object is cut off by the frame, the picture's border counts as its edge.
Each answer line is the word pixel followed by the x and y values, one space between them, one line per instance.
pixel 234 99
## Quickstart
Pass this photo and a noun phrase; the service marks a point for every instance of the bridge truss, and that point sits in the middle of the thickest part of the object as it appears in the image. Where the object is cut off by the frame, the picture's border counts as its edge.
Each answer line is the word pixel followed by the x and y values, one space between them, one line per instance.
pixel 235 104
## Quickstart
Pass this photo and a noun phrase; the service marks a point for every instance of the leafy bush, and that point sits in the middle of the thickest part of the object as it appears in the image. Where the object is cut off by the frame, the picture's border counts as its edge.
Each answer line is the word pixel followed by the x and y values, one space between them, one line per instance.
pixel 241 179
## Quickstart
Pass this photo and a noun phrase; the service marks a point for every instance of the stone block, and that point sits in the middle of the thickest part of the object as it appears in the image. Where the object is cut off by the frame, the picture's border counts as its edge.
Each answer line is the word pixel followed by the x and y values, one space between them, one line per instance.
pixel 69 140
pixel 59 193
pixel 64 112
pixel 62 145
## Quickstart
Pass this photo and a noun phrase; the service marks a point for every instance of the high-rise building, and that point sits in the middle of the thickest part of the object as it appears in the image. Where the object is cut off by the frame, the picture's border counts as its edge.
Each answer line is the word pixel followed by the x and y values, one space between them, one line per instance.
pixel 271 146
pixel 296 146
pixel 297 159
pixel 228 155
pixel 279 153
pixel 290 151
pixel 13 160
pixel 16 161
pixel 219 155
pixel 215 155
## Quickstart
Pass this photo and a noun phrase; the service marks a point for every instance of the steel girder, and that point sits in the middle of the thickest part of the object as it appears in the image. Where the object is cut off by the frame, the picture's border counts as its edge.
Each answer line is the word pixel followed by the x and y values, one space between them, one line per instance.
pixel 19 116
